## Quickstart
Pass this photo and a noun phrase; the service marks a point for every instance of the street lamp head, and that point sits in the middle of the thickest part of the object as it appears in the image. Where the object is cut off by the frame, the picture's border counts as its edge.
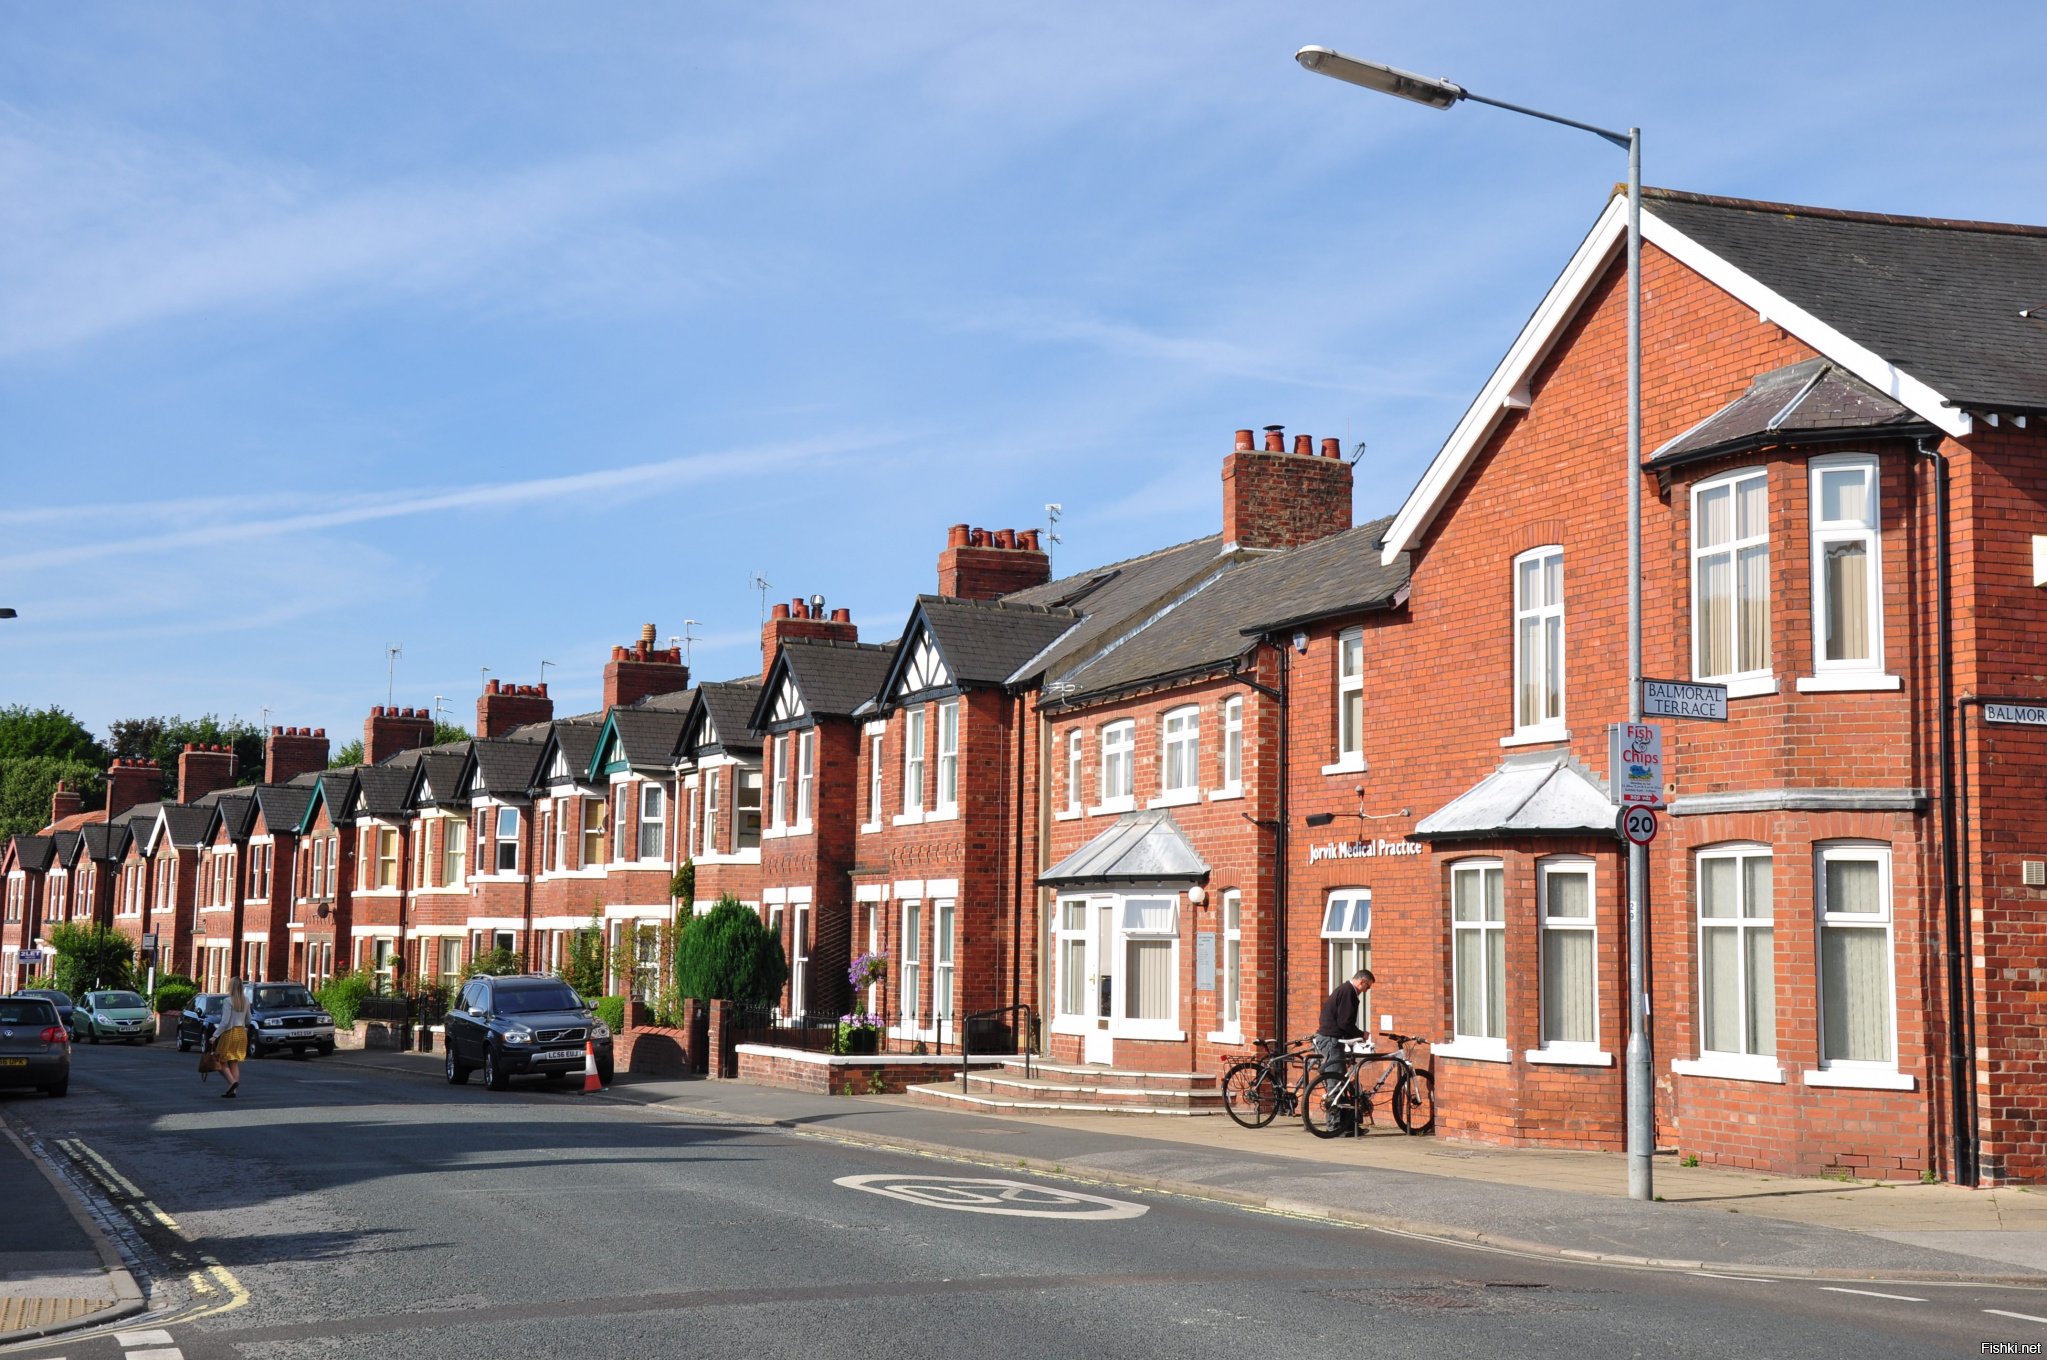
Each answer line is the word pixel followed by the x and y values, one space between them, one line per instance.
pixel 1437 94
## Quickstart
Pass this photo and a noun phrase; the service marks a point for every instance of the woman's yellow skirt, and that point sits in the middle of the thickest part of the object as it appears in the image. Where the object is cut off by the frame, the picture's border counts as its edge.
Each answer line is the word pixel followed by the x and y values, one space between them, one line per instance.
pixel 232 1045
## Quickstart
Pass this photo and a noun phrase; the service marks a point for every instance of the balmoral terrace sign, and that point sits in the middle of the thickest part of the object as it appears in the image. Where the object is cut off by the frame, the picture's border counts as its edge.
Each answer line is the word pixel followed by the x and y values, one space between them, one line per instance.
pixel 1683 699
pixel 2018 715
pixel 1377 848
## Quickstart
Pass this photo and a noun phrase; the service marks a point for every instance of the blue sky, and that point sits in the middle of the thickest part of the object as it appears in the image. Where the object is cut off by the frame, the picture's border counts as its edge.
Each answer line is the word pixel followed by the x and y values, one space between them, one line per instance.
pixel 496 331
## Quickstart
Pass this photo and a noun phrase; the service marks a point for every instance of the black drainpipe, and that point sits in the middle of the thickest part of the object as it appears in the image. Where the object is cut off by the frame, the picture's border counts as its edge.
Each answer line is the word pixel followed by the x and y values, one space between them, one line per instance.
pixel 1279 838
pixel 1961 1067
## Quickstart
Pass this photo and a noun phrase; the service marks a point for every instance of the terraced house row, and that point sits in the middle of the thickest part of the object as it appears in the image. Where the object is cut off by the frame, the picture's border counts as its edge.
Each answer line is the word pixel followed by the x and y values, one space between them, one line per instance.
pixel 1169 801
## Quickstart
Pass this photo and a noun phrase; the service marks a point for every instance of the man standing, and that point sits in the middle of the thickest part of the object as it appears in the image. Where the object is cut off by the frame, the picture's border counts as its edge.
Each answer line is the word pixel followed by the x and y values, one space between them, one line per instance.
pixel 1340 1017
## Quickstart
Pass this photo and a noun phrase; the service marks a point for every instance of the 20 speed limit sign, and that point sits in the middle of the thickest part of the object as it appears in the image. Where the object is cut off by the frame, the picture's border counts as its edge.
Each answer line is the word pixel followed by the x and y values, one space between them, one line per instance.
pixel 1638 824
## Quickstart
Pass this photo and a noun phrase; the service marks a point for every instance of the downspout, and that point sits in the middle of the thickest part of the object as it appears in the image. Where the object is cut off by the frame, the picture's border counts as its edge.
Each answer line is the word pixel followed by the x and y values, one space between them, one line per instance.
pixel 1016 864
pixel 1280 969
pixel 1961 1067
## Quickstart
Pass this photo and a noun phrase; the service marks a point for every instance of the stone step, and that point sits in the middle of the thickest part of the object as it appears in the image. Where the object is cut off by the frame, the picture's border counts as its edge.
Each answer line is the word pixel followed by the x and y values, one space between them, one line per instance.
pixel 1007 1087
pixel 1131 1078
pixel 952 1097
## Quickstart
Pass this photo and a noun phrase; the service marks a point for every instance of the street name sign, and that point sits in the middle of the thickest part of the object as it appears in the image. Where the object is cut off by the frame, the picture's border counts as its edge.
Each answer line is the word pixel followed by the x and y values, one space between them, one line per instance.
pixel 1683 699
pixel 1635 759
pixel 2021 715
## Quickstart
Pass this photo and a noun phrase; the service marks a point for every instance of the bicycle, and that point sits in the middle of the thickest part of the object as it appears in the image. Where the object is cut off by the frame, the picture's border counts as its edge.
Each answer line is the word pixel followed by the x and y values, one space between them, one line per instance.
pixel 1339 1104
pixel 1258 1090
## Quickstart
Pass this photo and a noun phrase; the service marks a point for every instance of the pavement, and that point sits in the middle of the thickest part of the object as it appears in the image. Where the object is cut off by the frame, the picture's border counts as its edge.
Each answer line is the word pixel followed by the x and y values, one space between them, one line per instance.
pixel 59 1270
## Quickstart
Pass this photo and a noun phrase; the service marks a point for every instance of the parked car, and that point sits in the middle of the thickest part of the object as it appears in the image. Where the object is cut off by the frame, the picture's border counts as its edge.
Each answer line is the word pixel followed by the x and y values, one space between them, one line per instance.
pixel 517 1026
pixel 199 1019
pixel 35 1049
pixel 114 1015
pixel 284 1015
pixel 61 1000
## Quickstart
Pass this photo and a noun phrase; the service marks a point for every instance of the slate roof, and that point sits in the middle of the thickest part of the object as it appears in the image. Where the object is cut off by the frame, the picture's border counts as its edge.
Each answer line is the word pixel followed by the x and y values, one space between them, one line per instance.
pixel 142 814
pixel 283 805
pixel 1109 597
pixel 729 705
pixel 506 766
pixel 1939 299
pixel 34 853
pixel 102 842
pixel 443 766
pixel 1204 628
pixel 1815 402
pixel 1531 793
pixel 833 677
pixel 66 843
pixel 577 738
pixel 336 788
pixel 985 642
pixel 188 826
pixel 679 701
pixel 650 735
pixel 237 812
pixel 1141 847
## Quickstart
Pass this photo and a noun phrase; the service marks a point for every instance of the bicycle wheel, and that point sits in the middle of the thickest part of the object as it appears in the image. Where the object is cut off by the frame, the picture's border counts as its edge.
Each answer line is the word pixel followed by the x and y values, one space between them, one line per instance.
pixel 1325 1107
pixel 1414 1101
pixel 1251 1094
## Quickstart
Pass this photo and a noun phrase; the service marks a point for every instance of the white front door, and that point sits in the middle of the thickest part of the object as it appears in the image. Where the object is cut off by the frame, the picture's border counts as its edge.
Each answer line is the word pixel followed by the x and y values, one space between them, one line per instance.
pixel 1098 1047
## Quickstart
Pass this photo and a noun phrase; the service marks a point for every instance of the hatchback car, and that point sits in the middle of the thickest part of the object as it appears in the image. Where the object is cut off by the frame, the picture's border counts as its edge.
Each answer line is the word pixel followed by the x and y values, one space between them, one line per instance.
pixel 114 1015
pixel 515 1026
pixel 199 1019
pixel 61 1000
pixel 284 1015
pixel 35 1050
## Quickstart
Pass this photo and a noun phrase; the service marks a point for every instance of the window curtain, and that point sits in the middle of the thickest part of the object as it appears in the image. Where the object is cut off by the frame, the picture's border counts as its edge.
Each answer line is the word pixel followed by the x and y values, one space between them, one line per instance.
pixel 1855 975
pixel 1569 978
pixel 1848 603
pixel 1149 980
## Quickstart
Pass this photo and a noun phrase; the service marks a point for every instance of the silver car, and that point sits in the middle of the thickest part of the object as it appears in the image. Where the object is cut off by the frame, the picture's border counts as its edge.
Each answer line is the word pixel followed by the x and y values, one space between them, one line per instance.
pixel 35 1048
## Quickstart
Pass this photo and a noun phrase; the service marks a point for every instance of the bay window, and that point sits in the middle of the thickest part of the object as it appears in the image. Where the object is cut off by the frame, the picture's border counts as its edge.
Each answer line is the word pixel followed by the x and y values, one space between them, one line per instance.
pixel 1847 580
pixel 1737 976
pixel 1478 932
pixel 1570 955
pixel 1731 577
pixel 1857 1013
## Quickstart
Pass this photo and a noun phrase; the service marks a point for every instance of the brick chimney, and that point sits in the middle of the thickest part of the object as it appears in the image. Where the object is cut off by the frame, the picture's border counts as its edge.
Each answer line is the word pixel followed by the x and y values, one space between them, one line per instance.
pixel 1276 499
pixel 983 564
pixel 65 801
pixel 500 708
pixel 293 751
pixel 132 780
pixel 204 767
pixel 803 619
pixel 387 731
pixel 642 671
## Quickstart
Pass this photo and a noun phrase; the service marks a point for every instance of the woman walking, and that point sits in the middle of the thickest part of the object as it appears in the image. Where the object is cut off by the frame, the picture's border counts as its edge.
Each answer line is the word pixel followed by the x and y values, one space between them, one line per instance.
pixel 232 1045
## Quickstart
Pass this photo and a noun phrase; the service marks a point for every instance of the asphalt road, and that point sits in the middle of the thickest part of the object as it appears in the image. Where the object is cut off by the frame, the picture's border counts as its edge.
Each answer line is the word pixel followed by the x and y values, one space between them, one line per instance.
pixel 340 1211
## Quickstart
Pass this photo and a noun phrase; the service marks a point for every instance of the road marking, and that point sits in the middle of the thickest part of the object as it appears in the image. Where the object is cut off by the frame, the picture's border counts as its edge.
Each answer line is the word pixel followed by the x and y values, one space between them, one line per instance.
pixel 157 1337
pixel 168 1353
pixel 989 1195
pixel 207 1278
pixel 1871 1294
pixel 2022 1317
pixel 1716 1275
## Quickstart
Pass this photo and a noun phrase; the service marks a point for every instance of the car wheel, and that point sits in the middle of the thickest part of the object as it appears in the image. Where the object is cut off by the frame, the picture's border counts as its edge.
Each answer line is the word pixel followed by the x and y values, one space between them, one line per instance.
pixel 59 1089
pixel 326 1048
pixel 149 1038
pixel 456 1073
pixel 92 1036
pixel 494 1074
pixel 184 1044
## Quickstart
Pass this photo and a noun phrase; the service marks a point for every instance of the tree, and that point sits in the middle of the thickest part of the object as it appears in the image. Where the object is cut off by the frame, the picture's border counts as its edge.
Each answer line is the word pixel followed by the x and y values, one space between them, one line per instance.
pixel 583 969
pixel 164 739
pixel 51 732
pixel 728 954
pixel 350 754
pixel 446 732
pixel 495 963
pixel 89 958
pixel 38 747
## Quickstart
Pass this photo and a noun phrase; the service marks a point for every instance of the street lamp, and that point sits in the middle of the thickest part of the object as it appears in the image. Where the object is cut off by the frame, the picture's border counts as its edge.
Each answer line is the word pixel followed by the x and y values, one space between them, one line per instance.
pixel 1443 94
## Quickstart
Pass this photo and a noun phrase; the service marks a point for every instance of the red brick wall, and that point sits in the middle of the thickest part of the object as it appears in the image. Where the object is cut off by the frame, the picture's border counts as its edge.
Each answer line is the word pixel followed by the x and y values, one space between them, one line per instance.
pixel 292 751
pixel 844 1078
pixel 500 708
pixel 642 671
pixel 986 564
pixel 1273 499
pixel 387 731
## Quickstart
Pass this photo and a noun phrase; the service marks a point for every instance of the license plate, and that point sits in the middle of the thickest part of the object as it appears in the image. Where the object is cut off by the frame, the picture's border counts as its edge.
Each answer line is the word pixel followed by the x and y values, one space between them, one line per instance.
pixel 558 1055
pixel 13 1062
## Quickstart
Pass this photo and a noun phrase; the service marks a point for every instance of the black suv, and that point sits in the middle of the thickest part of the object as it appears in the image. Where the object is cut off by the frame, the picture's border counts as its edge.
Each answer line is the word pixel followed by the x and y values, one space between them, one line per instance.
pixel 284 1015
pixel 513 1026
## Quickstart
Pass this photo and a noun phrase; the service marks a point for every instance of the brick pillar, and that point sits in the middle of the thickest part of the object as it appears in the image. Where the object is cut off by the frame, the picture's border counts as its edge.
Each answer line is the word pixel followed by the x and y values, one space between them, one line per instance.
pixel 500 708
pixel 1276 499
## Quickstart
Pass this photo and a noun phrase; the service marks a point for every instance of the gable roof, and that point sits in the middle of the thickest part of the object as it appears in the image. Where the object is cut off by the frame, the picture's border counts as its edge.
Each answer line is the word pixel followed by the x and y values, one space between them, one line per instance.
pixel 1922 310
pixel 1345 573
pixel 646 737
pixel 283 805
pixel 332 789
pixel 576 740
pixel 101 841
pixel 189 826
pixel 832 678
pixel 1139 847
pixel 727 706
pixel 68 844
pixel 385 790
pixel 237 814
pixel 1531 793
pixel 504 767
pixel 34 853
pixel 982 642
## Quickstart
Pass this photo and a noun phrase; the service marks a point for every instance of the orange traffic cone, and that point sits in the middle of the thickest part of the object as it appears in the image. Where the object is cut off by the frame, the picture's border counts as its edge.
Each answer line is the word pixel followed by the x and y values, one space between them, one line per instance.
pixel 590 1081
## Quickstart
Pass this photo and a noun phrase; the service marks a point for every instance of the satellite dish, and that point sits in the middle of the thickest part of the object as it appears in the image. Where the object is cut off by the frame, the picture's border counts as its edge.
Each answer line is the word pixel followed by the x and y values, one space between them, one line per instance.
pixel 323 911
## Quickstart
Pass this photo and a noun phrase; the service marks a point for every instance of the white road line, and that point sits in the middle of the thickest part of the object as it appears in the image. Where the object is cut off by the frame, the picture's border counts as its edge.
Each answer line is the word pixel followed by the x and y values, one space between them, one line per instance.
pixel 1871 1294
pixel 168 1353
pixel 1716 1275
pixel 126 1340
pixel 2022 1317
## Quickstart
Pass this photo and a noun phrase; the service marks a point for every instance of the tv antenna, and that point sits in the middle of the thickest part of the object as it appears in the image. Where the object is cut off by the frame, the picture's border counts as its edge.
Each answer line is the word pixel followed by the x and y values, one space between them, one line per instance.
pixel 482 679
pixel 1053 511
pixel 391 655
pixel 688 640
pixel 543 671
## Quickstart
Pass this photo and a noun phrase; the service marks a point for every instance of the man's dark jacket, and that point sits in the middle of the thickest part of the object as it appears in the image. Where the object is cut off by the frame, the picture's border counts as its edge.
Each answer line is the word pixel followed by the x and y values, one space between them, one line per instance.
pixel 1340 1013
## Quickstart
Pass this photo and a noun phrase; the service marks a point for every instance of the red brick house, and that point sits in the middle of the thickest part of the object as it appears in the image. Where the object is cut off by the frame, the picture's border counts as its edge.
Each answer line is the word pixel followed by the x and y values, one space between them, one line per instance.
pixel 24 869
pixel 635 759
pixel 718 758
pixel 324 881
pixel 497 787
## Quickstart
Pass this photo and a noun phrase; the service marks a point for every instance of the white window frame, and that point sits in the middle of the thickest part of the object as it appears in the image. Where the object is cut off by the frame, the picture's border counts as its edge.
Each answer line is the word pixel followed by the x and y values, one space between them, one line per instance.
pixel 910 972
pixel 778 764
pixel 1550 928
pixel 1347 937
pixel 1748 1063
pixel 1230 751
pixel 1492 935
pixel 1881 1073
pixel 506 840
pixel 587 834
pixel 1118 770
pixel 711 812
pixel 944 950
pixel 454 851
pixel 1350 701
pixel 619 814
pixel 876 749
pixel 1828 533
pixel 653 829
pixel 799 958
pixel 387 864
pixel 946 797
pixel 1739 679
pixel 1229 999
pixel 1122 1024
pixel 1179 755
pixel 806 772
pixel 913 761
pixel 746 821
pixel 1076 757
pixel 1548 659
pixel 1071 935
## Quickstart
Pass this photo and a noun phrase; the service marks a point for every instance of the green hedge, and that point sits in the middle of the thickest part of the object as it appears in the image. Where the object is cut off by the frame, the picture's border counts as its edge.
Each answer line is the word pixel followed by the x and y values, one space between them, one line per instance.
pixel 173 996
pixel 611 1010
pixel 343 997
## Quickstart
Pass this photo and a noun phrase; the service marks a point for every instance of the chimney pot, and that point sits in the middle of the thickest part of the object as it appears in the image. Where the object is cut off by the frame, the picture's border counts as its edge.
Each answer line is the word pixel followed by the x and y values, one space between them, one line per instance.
pixel 1027 539
pixel 956 537
pixel 647 631
pixel 780 611
pixel 1275 439
pixel 1304 446
pixel 1244 444
pixel 1332 448
pixel 1005 538
pixel 319 731
pixel 977 538
pixel 842 616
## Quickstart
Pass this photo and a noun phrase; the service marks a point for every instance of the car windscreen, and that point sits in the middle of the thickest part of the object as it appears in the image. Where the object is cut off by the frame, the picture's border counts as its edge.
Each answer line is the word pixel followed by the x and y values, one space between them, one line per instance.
pixel 27 1013
pixel 527 1000
pixel 209 1005
pixel 269 998
pixel 58 998
pixel 119 1001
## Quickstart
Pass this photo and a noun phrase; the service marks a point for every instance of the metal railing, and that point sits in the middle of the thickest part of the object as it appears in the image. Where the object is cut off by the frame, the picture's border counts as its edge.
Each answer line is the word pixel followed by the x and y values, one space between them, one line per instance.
pixel 896 1035
pixel 1024 1042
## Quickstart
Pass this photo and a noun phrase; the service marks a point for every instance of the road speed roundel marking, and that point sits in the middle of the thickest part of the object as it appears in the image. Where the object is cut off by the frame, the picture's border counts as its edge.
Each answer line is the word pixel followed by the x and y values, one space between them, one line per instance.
pixel 1638 824
pixel 990 1195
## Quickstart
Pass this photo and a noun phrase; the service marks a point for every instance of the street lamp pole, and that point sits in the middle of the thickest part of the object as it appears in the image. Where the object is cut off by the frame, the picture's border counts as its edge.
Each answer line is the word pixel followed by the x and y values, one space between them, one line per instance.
pixel 1443 94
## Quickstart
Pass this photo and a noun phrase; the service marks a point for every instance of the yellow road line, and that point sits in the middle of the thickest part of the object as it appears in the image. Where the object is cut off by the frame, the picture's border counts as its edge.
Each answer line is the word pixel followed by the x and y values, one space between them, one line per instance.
pixel 209 1277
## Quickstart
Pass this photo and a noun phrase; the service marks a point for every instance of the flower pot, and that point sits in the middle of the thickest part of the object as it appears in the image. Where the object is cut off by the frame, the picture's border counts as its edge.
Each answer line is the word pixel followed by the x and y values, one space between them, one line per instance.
pixel 861 1040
